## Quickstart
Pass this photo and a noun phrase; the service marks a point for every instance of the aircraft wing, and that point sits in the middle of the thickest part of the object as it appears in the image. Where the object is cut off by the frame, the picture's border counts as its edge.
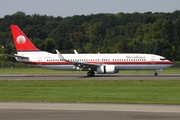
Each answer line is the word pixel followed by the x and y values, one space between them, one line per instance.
pixel 78 65
pixel 82 65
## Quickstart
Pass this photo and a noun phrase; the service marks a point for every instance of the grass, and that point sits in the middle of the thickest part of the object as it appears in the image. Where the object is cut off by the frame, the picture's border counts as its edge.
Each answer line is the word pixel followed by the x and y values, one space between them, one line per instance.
pixel 110 91
pixel 48 71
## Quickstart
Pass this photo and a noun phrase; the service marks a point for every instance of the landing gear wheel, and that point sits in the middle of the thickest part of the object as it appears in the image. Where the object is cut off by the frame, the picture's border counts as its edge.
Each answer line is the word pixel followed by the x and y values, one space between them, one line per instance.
pixel 155 74
pixel 90 73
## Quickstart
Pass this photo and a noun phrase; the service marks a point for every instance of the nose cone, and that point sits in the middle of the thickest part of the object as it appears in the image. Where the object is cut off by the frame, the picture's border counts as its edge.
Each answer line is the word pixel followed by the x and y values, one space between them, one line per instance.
pixel 170 63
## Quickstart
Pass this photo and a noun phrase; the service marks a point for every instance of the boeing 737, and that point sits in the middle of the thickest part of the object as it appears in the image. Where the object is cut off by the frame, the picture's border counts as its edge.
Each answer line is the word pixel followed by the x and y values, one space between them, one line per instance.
pixel 101 63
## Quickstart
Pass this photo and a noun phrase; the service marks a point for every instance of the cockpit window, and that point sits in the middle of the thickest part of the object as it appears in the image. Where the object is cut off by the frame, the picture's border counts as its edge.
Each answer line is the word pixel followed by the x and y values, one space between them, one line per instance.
pixel 162 58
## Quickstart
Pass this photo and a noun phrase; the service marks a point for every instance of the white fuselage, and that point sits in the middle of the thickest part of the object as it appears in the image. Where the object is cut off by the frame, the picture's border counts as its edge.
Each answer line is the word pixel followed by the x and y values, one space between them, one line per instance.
pixel 120 61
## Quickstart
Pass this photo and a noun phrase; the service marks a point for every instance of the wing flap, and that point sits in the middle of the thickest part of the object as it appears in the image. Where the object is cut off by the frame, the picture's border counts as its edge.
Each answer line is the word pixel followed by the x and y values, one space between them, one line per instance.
pixel 85 65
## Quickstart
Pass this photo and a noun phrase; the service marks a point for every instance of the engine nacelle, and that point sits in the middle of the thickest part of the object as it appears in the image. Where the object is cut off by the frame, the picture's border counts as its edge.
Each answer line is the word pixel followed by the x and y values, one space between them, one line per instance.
pixel 106 69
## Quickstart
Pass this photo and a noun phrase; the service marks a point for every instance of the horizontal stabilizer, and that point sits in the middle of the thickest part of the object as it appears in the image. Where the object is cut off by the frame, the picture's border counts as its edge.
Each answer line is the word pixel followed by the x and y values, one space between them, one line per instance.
pixel 15 55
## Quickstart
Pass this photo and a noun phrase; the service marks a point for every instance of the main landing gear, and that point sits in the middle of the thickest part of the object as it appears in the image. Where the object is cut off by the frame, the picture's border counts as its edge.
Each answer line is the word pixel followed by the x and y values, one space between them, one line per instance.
pixel 90 73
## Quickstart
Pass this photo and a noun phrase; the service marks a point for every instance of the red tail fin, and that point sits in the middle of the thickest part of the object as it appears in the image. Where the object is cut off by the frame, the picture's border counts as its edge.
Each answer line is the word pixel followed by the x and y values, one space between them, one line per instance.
pixel 21 41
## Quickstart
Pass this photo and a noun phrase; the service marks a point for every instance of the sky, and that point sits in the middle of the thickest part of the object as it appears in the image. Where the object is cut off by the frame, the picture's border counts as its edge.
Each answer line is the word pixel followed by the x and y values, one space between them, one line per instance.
pixel 66 8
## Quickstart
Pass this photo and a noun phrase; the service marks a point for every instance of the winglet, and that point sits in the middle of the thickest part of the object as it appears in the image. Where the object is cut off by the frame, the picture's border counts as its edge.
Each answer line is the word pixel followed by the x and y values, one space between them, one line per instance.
pixel 75 52
pixel 60 56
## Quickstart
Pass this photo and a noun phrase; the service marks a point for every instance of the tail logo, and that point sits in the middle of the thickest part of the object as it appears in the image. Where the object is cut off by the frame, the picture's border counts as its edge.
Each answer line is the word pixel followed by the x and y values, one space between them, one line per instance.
pixel 21 39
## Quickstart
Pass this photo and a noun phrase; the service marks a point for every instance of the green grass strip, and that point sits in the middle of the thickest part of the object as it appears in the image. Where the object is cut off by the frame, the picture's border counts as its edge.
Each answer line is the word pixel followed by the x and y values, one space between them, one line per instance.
pixel 92 91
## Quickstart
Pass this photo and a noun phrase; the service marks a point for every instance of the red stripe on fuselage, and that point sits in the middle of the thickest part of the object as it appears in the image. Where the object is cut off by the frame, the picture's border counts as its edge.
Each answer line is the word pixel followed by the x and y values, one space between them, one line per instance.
pixel 110 63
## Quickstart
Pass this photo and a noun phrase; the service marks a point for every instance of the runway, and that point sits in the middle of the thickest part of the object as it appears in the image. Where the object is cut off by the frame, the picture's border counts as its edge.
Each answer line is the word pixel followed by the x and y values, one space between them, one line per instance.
pixel 84 77
pixel 81 111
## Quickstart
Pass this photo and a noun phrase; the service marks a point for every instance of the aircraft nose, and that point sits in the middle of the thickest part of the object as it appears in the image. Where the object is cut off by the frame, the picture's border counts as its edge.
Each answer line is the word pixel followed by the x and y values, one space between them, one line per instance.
pixel 170 62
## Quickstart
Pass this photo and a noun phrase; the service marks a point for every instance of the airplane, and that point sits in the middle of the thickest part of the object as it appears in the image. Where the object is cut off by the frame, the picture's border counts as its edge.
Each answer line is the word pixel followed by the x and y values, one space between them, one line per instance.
pixel 102 63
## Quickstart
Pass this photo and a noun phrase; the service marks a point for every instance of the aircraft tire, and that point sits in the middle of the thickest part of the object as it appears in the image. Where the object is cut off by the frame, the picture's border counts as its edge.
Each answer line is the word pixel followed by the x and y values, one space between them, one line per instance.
pixel 90 73
pixel 155 74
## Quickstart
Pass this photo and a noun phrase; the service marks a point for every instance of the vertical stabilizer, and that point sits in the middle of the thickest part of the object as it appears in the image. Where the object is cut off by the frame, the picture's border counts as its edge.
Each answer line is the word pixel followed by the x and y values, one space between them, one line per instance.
pixel 21 41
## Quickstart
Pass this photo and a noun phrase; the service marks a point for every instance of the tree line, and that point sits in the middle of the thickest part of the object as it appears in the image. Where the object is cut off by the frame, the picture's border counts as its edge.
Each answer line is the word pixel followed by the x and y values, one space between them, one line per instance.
pixel 156 33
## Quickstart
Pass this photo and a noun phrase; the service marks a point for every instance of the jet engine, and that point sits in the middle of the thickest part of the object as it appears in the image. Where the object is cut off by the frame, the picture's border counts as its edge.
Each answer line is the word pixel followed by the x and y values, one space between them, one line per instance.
pixel 106 69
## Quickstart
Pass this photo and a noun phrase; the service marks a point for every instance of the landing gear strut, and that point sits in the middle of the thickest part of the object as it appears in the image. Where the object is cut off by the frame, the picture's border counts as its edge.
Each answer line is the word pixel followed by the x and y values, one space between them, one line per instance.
pixel 156 73
pixel 90 73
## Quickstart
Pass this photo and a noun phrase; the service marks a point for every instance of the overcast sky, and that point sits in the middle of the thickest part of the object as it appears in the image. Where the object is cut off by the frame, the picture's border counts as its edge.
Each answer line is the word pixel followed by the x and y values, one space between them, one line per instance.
pixel 66 8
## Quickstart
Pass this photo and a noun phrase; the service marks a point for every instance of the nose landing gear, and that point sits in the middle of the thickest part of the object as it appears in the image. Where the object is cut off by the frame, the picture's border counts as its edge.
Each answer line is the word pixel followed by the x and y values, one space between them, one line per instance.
pixel 156 72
